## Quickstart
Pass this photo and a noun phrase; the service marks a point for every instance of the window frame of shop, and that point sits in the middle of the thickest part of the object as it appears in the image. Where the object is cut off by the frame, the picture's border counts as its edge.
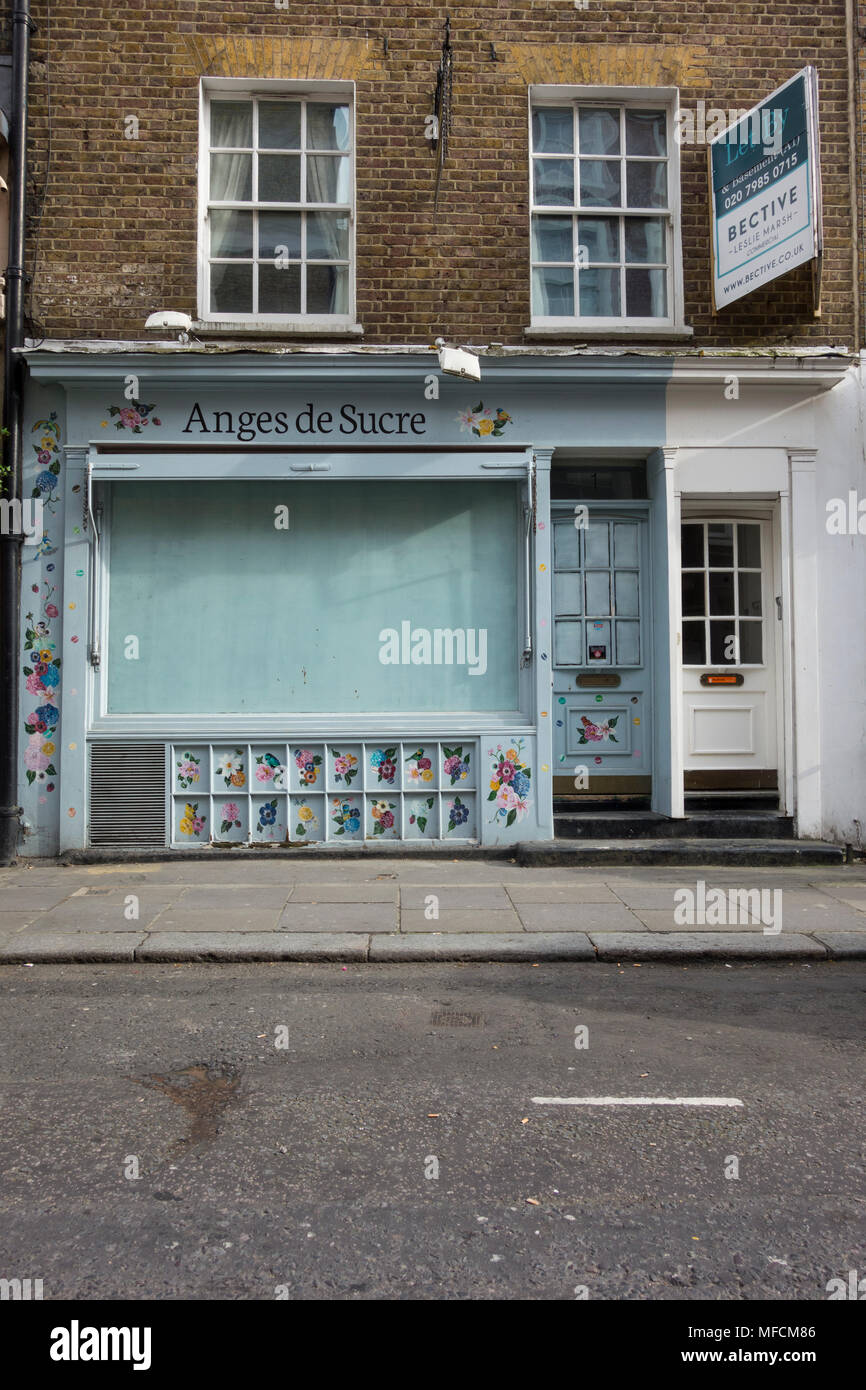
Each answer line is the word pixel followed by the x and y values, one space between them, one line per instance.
pixel 624 99
pixel 214 90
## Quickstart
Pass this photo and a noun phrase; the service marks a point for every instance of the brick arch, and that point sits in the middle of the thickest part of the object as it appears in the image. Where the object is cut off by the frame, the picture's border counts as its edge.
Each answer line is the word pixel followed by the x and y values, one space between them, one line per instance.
pixel 610 64
pixel 313 59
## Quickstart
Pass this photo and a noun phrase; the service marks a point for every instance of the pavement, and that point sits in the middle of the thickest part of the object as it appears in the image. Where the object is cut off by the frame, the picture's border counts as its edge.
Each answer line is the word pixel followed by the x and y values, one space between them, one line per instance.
pixel 389 910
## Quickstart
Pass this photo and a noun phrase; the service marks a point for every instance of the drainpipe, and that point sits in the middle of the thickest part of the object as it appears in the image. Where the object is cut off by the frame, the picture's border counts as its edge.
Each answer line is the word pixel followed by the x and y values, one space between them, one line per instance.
pixel 13 402
pixel 853 158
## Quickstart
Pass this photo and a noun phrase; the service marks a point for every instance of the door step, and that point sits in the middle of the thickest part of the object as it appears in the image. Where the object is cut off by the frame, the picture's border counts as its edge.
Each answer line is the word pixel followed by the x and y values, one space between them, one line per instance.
pixel 755 852
pixel 642 825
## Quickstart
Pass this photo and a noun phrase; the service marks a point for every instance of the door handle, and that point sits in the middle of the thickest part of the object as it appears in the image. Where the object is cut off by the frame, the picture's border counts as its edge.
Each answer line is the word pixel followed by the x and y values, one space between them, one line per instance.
pixel 778 608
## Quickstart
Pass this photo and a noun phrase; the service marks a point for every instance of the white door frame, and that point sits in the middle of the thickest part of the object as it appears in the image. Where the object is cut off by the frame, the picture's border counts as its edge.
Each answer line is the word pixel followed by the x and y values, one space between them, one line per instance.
pixel 747 509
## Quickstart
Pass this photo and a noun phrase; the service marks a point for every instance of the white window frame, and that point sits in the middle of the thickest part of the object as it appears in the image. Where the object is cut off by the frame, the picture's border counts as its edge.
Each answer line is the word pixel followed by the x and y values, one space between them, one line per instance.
pixel 209 89
pixel 640 98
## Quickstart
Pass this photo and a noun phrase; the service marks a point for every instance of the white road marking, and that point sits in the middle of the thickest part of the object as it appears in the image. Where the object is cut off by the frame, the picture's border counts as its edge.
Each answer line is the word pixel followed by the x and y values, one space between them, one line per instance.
pixel 637 1100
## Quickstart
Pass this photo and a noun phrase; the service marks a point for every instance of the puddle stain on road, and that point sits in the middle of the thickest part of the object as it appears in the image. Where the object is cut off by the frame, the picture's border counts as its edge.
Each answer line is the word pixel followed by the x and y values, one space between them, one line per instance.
pixel 204 1091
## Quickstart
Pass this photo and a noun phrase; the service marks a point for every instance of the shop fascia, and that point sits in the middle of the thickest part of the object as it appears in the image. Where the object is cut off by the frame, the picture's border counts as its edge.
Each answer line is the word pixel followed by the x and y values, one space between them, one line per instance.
pixel 347 419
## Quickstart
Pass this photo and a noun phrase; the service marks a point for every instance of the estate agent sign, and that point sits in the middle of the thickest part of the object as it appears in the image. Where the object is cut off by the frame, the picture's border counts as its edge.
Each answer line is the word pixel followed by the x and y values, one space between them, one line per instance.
pixel 766 191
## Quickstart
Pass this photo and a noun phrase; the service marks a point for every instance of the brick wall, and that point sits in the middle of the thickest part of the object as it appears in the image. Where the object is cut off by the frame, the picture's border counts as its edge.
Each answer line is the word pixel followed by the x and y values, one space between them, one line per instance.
pixel 117 231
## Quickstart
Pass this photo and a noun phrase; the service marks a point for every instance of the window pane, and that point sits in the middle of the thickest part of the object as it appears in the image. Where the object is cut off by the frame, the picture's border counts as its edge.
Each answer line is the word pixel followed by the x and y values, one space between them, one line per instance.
pixel 749 547
pixel 600 238
pixel 627 643
pixel 692 545
pixel 646 184
pixel 693 595
pixel 280 229
pixel 566 546
pixel 566 593
pixel 625 543
pixel 600 183
pixel 645 239
pixel 553 292
pixel 751 644
pixel 598 644
pixel 720 542
pixel 599 131
pixel 231 124
pixel 645 132
pixel 721 634
pixel 553 130
pixel 599 293
pixel 750 595
pixel 626 593
pixel 694 650
pixel 569 644
pixel 327 289
pixel 327 179
pixel 721 584
pixel 231 178
pixel 231 289
pixel 596 544
pixel 552 239
pixel 280 125
pixel 279 290
pixel 327 236
pixel 327 126
pixel 597 593
pixel 280 178
pixel 554 181
pixel 646 294
pixel 231 233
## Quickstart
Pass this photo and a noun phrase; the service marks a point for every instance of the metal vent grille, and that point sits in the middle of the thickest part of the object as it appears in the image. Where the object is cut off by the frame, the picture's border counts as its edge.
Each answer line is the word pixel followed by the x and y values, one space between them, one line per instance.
pixel 127 793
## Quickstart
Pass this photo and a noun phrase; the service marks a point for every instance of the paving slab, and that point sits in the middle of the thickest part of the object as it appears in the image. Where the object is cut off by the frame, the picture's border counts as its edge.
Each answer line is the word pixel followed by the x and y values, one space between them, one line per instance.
pixel 465 895
pixel 238 897
pixel 15 921
pixel 338 917
pixel 209 919
pixel 482 947
pixel 345 893
pixel 827 915
pixel 245 946
pixel 56 947
pixel 710 945
pixel 567 893
pixel 550 917
pixel 650 895
pixel 467 920
pixel 843 945
pixel 35 898
pixel 657 920
pixel 107 912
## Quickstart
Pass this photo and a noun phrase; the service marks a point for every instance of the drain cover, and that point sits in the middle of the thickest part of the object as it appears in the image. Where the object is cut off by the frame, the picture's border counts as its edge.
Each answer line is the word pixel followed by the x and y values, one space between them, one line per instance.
pixel 452 1020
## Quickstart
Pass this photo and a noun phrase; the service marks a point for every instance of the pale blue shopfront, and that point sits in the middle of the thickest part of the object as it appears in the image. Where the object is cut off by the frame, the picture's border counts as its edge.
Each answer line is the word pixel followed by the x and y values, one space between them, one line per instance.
pixel 302 597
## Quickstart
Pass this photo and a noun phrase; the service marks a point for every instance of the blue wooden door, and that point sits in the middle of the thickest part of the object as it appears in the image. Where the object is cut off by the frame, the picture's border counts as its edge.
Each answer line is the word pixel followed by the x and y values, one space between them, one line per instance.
pixel 602 675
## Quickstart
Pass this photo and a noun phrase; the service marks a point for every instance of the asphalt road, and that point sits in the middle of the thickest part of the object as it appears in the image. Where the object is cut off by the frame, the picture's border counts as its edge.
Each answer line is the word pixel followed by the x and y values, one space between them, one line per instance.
pixel 306 1170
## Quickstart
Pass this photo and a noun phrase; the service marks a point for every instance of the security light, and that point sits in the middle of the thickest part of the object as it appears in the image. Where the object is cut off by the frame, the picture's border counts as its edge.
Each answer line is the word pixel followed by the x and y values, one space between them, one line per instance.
pixel 458 362
pixel 169 318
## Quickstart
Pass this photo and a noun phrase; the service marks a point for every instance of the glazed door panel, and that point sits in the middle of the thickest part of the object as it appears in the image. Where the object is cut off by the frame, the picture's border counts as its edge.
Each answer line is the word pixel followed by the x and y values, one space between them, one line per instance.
pixel 729 667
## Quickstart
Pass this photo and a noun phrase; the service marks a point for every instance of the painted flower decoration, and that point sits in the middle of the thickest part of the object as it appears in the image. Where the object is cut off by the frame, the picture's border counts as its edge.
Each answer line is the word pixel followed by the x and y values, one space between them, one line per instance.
pixel 231 817
pixel 133 416
pixel 510 783
pixel 484 422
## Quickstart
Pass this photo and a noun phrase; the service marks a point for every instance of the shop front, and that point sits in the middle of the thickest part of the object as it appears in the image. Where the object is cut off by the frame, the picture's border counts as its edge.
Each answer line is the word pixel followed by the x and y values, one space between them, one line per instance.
pixel 300 598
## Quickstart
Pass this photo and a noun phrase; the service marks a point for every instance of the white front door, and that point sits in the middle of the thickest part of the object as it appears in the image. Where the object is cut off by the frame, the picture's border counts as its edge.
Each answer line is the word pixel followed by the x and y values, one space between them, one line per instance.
pixel 729 616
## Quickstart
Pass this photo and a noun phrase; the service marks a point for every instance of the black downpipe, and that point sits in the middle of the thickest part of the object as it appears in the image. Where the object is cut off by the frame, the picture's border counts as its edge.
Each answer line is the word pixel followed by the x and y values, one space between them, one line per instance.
pixel 13 407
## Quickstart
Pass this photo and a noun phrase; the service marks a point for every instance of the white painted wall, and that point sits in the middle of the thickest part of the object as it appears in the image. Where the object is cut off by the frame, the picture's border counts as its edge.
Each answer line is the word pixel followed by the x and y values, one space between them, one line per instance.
pixel 757 445
pixel 841 655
